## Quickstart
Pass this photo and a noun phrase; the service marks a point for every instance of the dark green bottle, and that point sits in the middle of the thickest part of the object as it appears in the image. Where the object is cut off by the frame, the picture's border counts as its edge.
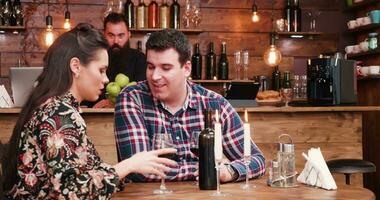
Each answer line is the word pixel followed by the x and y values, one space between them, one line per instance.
pixel 223 64
pixel 286 81
pixel 276 79
pixel 175 15
pixel 129 13
pixel 196 63
pixel 211 63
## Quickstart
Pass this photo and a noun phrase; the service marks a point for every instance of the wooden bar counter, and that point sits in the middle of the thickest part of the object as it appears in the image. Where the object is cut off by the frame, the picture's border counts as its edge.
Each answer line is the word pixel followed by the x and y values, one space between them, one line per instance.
pixel 336 130
pixel 189 191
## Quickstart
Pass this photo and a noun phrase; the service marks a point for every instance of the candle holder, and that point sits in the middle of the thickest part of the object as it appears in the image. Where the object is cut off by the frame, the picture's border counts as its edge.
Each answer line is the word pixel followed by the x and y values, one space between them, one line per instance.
pixel 246 185
pixel 218 193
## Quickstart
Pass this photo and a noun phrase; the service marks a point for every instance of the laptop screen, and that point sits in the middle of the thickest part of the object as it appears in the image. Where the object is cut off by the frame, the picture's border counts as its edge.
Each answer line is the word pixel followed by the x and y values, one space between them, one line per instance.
pixel 22 83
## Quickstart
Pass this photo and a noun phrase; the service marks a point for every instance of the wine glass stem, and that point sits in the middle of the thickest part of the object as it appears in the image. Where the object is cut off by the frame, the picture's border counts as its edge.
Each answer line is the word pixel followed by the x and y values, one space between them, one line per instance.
pixel 246 162
pixel 218 177
pixel 162 186
pixel 245 73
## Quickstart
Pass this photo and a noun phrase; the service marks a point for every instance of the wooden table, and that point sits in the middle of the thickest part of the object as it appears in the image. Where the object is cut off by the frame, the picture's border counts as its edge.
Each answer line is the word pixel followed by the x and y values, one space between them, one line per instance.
pixel 188 191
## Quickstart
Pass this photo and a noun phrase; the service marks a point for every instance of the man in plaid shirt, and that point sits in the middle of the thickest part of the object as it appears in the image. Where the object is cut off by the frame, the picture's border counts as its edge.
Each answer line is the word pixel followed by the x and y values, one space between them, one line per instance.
pixel 168 103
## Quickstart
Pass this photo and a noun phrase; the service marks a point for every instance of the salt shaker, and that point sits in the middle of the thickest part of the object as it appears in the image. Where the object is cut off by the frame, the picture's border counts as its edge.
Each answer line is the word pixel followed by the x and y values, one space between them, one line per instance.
pixel 286 161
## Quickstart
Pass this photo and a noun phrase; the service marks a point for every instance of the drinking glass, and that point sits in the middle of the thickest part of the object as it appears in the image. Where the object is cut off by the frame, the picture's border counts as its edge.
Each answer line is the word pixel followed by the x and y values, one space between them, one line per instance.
pixel 187 16
pixel 245 63
pixel 109 8
pixel 287 94
pixel 161 141
pixel 194 144
pixel 237 59
pixel 196 16
pixel 218 193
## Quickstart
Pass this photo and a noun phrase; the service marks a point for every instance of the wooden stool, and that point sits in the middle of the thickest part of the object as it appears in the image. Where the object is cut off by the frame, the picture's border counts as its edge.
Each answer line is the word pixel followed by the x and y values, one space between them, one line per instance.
pixel 350 166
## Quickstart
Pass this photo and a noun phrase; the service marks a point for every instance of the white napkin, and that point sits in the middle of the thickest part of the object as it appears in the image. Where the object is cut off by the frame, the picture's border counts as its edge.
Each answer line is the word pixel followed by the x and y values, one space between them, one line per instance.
pixel 5 99
pixel 316 172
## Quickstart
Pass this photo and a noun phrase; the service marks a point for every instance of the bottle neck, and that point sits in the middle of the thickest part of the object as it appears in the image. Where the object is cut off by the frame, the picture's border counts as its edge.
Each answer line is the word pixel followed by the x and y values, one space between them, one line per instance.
pixel 211 47
pixel 224 48
pixel 196 49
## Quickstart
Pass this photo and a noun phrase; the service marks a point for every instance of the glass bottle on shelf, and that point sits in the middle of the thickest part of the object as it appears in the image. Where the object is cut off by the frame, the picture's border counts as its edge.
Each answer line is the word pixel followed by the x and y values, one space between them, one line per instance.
pixel 288 16
pixel 175 15
pixel 196 63
pixel 164 15
pixel 129 13
pixel 276 79
pixel 153 14
pixel 19 13
pixel 296 16
pixel 141 15
pixel 7 13
pixel 139 46
pixel 223 63
pixel 286 81
pixel 186 18
pixel 211 63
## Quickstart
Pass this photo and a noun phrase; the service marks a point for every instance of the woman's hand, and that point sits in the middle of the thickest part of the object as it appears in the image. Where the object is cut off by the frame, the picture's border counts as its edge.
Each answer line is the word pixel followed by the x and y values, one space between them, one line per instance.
pixel 146 162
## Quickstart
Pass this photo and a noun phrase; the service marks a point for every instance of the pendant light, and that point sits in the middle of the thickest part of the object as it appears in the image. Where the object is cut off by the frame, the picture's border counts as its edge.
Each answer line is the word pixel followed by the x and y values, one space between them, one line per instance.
pixel 272 56
pixel 49 36
pixel 255 16
pixel 67 24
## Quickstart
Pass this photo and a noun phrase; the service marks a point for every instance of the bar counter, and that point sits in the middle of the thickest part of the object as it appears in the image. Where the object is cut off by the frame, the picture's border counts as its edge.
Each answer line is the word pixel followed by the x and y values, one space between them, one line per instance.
pixel 189 191
pixel 337 130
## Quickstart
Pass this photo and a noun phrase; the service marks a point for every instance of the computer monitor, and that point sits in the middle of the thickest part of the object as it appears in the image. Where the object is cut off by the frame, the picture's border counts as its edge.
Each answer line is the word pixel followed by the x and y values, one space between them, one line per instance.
pixel 22 83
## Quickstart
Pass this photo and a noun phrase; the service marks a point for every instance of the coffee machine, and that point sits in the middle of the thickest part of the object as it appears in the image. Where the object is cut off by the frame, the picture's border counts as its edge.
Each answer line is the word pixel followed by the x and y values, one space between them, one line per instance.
pixel 331 81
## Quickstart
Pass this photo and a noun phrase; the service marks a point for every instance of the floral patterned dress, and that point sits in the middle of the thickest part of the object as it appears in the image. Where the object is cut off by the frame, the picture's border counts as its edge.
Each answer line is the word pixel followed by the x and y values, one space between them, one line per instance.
pixel 57 160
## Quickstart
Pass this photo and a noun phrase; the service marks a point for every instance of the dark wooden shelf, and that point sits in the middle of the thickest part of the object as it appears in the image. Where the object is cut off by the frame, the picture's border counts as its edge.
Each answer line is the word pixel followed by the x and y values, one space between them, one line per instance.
pixel 296 35
pixel 222 81
pixel 13 29
pixel 371 52
pixel 360 5
pixel 148 30
pixel 365 28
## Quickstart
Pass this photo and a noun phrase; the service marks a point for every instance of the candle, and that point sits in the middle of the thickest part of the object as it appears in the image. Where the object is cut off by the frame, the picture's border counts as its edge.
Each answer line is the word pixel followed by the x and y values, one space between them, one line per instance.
pixel 218 149
pixel 247 136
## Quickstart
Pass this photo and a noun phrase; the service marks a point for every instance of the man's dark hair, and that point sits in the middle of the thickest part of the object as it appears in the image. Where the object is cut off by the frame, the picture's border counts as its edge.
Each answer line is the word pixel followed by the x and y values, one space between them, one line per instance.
pixel 170 38
pixel 115 18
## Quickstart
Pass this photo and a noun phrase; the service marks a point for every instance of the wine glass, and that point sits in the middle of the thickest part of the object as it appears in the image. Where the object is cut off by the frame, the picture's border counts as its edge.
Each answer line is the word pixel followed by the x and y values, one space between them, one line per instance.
pixel 194 145
pixel 196 18
pixel 237 59
pixel 187 16
pixel 161 141
pixel 287 94
pixel 245 63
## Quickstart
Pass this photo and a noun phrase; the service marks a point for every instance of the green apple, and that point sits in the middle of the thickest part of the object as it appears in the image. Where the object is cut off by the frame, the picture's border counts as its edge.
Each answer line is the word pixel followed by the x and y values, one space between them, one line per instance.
pixel 132 83
pixel 122 80
pixel 113 89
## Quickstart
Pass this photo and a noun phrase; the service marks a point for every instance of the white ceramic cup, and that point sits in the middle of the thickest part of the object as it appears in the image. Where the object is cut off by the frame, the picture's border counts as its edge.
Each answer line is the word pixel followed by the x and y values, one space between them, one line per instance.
pixel 349 49
pixel 364 46
pixel 364 70
pixel 352 24
pixel 374 69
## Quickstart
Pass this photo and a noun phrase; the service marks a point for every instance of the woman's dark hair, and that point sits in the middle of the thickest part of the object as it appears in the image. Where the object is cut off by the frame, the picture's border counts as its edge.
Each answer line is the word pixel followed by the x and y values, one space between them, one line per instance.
pixel 170 38
pixel 82 42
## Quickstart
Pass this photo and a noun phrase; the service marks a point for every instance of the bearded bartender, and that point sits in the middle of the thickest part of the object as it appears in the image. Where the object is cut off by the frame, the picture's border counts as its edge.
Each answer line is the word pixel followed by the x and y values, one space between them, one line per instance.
pixel 122 58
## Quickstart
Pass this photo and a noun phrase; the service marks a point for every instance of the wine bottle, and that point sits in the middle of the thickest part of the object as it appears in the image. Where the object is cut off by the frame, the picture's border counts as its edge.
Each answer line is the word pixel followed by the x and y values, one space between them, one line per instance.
pixel 223 64
pixel 153 14
pixel 276 79
pixel 286 81
pixel 164 15
pixel 196 63
pixel 141 15
pixel 129 13
pixel 288 16
pixel 296 16
pixel 13 13
pixel 211 63
pixel 207 171
pixel 175 15
pixel 139 46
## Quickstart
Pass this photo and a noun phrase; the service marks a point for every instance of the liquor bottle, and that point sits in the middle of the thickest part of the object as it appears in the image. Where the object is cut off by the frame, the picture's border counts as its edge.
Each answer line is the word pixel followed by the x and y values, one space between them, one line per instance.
pixel 207 171
pixel 223 64
pixel 286 81
pixel 196 63
pixel 211 63
pixel 288 16
pixel 296 16
pixel 164 15
pixel 141 15
pixel 129 13
pixel 175 15
pixel 276 79
pixel 153 14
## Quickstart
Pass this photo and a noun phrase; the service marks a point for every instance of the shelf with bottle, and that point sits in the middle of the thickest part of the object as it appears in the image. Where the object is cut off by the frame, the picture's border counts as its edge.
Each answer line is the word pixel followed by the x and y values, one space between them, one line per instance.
pixel 365 28
pixel 147 30
pixel 221 81
pixel 308 35
pixel 13 29
pixel 370 52
pixel 360 5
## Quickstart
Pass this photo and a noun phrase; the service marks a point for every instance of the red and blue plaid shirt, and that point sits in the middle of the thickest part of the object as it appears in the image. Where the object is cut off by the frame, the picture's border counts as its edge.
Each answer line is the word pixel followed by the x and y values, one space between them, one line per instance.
pixel 138 115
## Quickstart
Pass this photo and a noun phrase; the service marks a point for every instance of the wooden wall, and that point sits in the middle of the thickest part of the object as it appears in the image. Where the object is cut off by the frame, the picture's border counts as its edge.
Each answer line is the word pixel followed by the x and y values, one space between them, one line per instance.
pixel 222 20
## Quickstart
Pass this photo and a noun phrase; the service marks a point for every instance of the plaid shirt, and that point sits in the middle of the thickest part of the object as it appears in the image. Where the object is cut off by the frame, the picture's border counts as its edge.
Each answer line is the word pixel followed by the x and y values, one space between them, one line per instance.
pixel 138 115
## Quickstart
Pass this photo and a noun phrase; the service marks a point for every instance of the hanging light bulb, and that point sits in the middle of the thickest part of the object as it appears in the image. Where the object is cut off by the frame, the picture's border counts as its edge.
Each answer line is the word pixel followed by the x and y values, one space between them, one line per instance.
pixel 67 24
pixel 49 36
pixel 272 56
pixel 255 16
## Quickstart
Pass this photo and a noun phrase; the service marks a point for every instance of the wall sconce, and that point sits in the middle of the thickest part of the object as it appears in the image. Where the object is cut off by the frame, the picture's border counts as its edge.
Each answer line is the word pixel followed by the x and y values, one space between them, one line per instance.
pixel 255 16
pixel 272 56
pixel 67 24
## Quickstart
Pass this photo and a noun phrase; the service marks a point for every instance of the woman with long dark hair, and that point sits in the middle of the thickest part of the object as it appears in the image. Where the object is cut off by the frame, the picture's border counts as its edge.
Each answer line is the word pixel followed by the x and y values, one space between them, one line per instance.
pixel 50 155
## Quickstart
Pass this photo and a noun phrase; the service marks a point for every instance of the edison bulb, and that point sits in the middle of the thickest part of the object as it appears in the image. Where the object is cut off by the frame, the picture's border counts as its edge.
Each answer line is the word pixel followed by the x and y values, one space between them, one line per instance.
pixel 49 37
pixel 272 56
pixel 67 24
pixel 255 17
